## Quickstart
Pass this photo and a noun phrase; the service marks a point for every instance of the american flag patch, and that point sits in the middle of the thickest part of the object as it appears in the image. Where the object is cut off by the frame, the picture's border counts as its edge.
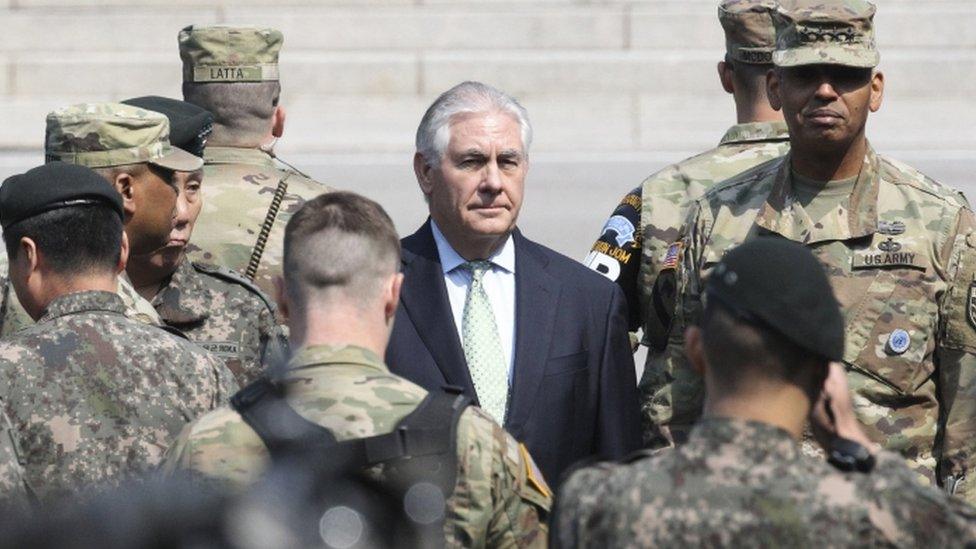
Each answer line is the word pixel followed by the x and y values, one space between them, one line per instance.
pixel 674 254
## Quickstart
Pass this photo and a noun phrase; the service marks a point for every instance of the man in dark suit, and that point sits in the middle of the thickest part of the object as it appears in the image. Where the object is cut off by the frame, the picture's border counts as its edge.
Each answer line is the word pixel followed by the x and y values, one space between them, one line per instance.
pixel 536 338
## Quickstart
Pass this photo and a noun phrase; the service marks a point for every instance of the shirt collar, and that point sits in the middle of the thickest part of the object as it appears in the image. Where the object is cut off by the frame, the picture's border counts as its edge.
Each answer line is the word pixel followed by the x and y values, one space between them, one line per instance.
pixel 325 355
pixel 184 299
pixel 759 441
pixel 783 214
pixel 756 131
pixel 82 302
pixel 237 155
pixel 503 258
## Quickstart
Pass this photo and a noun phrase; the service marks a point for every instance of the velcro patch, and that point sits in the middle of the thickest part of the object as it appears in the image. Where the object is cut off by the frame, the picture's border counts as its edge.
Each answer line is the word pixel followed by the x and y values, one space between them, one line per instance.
pixel 532 473
pixel 673 256
pixel 874 259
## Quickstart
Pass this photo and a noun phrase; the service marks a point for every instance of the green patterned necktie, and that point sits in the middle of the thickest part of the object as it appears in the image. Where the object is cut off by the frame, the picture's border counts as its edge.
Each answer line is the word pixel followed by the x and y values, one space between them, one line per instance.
pixel 483 346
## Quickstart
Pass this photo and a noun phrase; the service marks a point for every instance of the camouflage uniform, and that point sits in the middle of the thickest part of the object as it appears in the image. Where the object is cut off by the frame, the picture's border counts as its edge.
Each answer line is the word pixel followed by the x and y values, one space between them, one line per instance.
pixel 899 252
pixel 635 239
pixel 95 396
pixel 14 318
pixel 741 483
pixel 500 499
pixel 245 186
pixel 13 490
pixel 223 313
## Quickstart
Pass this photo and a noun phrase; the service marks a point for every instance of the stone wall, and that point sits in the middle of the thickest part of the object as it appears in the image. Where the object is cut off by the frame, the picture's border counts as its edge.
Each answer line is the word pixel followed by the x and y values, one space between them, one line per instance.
pixel 598 77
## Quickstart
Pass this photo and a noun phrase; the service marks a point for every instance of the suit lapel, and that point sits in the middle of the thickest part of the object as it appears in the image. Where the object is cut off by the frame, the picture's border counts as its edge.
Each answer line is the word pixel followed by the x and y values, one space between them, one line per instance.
pixel 424 298
pixel 536 296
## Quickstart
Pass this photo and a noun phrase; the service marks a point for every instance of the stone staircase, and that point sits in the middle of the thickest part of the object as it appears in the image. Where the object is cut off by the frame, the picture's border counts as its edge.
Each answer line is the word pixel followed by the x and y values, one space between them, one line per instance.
pixel 598 77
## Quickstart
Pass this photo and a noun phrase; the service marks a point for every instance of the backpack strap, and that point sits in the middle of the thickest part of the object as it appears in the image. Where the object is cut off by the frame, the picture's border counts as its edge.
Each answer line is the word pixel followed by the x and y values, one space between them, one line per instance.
pixel 283 430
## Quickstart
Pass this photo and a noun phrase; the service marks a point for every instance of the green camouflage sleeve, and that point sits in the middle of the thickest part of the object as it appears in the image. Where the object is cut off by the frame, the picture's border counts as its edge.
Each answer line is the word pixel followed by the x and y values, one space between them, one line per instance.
pixel 501 499
pixel 956 355
pixel 670 393
pixel 578 518
pixel 13 487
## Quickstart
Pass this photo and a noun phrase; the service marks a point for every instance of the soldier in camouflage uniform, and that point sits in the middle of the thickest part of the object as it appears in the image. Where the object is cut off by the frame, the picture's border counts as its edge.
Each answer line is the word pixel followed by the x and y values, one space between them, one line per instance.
pixel 94 396
pixel 249 197
pixel 341 287
pixel 215 307
pixel 741 480
pixel 635 239
pixel 899 248
pixel 130 147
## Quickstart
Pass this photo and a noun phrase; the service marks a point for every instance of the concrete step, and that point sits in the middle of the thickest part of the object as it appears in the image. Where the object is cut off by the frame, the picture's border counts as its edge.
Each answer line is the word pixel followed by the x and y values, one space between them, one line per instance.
pixel 910 72
pixel 587 124
pixel 532 25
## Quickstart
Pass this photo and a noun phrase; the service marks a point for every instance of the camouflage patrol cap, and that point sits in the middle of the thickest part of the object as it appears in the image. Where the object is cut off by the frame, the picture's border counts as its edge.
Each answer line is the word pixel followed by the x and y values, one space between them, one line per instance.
pixel 815 32
pixel 101 135
pixel 750 36
pixel 221 53
pixel 779 284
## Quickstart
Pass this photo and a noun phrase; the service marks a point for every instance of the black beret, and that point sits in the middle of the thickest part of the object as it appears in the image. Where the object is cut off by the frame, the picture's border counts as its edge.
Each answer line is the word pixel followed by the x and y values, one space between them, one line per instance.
pixel 189 125
pixel 52 186
pixel 779 284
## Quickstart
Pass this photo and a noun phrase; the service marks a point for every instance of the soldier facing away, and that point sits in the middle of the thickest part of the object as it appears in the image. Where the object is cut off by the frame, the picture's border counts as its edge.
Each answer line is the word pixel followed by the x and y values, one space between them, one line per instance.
pixel 215 307
pixel 898 248
pixel 633 246
pixel 741 479
pixel 93 395
pixel 233 73
pixel 340 292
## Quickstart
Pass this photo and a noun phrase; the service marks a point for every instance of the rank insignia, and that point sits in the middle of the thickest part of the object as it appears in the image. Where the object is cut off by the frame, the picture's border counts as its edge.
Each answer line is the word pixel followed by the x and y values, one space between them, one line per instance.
pixel 672 257
pixel 971 305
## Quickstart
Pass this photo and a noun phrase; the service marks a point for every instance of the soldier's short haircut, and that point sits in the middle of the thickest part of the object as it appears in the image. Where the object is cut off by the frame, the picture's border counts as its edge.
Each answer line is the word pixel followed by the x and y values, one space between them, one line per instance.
pixel 242 111
pixel 434 132
pixel 339 242
pixel 750 78
pixel 78 240
pixel 740 351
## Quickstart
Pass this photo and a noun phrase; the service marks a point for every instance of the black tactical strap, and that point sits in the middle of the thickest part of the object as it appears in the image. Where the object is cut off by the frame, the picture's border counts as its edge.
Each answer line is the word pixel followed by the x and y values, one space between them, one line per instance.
pixel 431 429
pixel 283 431
pixel 269 221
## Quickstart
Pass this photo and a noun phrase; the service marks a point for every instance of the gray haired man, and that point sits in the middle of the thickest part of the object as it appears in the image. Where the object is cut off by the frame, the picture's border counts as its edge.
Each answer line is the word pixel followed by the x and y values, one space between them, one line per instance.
pixel 536 338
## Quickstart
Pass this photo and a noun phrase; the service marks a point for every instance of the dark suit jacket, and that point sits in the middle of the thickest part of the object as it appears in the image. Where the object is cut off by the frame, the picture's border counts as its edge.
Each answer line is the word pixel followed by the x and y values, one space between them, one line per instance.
pixel 574 392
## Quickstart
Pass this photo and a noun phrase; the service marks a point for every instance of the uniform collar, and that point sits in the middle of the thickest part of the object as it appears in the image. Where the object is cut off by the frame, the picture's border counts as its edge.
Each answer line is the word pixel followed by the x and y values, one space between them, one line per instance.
pixel 758 441
pixel 783 214
pixel 83 302
pixel 752 132
pixel 237 155
pixel 503 258
pixel 328 355
pixel 185 299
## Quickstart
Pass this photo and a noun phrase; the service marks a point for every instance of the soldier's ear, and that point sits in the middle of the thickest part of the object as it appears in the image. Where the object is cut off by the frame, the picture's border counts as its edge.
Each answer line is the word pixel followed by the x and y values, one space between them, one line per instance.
pixel 27 252
pixel 725 76
pixel 877 90
pixel 281 297
pixel 123 254
pixel 392 296
pixel 772 89
pixel 278 121
pixel 124 183
pixel 695 349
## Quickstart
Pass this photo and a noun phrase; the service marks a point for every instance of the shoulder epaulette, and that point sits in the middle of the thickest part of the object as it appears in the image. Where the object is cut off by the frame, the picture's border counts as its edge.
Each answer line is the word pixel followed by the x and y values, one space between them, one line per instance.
pixel 747 177
pixel 234 277
pixel 899 173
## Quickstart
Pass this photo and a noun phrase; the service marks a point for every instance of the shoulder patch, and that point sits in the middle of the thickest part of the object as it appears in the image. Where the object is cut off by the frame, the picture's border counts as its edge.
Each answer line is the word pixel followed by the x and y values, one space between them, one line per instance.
pixel 233 277
pixel 532 473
